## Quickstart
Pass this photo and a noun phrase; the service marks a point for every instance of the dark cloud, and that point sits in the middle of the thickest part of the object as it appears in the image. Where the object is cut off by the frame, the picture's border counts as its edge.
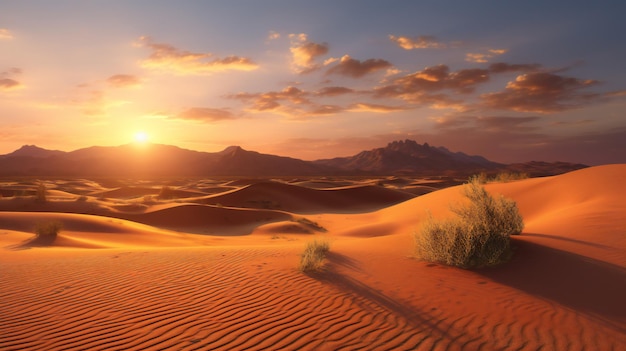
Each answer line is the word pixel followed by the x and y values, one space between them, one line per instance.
pixel 542 92
pixel 350 67
pixel 419 42
pixel 168 58
pixel 123 80
pixel 205 114
pixel 334 91
pixel 502 67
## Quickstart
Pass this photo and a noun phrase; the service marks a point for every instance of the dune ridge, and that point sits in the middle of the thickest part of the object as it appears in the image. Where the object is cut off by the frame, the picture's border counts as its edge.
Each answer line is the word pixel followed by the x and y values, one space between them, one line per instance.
pixel 151 288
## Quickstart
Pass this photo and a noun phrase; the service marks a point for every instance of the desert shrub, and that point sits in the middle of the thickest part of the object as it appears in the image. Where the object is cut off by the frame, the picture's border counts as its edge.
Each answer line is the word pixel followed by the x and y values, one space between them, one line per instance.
pixel 508 177
pixel 166 192
pixel 312 259
pixel 81 198
pixel 40 195
pixel 502 177
pixel 478 236
pixel 46 233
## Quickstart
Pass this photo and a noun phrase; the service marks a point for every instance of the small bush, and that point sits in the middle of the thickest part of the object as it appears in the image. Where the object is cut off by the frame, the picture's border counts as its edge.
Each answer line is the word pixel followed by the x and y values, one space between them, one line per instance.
pixel 312 259
pixel 478 236
pixel 40 195
pixel 166 193
pixel 46 233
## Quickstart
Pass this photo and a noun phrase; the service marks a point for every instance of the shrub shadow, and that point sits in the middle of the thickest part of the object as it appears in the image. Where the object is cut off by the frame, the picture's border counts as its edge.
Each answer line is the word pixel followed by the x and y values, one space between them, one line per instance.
pixel 371 299
pixel 590 286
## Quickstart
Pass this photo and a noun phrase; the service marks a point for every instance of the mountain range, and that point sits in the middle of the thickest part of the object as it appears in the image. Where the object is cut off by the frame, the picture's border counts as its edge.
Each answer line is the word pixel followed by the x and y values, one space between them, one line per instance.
pixel 405 157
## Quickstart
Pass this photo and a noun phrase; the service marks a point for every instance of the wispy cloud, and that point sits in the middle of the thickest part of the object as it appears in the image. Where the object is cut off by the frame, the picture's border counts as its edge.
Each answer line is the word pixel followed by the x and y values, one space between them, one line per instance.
pixel 273 35
pixel 488 123
pixel 419 42
pixel 483 57
pixel 205 114
pixel 350 67
pixel 168 58
pixel 5 34
pixel 367 107
pixel 123 80
pixel 304 53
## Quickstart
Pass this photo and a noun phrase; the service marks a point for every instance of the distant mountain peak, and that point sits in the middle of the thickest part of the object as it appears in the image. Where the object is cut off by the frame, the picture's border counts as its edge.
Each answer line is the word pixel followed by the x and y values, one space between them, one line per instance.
pixel 34 151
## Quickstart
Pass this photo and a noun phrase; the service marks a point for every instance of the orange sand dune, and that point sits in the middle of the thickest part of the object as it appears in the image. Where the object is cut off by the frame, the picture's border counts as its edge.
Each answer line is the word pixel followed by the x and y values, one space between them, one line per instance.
pixel 563 289
pixel 300 199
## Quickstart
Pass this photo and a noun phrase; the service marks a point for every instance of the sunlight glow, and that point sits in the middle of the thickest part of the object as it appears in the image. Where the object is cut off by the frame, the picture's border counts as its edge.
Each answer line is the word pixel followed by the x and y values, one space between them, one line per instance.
pixel 141 137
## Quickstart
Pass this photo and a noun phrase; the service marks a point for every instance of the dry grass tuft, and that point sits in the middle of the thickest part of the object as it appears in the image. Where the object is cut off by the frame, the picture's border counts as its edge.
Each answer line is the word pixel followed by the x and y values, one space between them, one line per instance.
pixel 46 233
pixel 478 236
pixel 312 259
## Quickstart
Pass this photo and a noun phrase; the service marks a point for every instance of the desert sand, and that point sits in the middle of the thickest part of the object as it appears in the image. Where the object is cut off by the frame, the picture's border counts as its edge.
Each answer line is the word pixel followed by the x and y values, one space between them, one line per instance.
pixel 214 267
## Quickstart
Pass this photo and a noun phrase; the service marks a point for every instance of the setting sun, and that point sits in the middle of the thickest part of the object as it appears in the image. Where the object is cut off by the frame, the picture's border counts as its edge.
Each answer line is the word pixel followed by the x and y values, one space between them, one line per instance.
pixel 141 137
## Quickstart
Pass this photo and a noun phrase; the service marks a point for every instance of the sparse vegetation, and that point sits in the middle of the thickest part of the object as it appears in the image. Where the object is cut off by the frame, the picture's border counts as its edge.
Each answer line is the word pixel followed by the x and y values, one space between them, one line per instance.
pixel 41 193
pixel 312 259
pixel 46 233
pixel 478 236
pixel 502 177
pixel 166 193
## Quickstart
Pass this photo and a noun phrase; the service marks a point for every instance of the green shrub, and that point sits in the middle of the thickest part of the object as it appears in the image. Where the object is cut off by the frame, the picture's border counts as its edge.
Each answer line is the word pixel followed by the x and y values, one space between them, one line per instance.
pixel 478 236
pixel 46 233
pixel 312 259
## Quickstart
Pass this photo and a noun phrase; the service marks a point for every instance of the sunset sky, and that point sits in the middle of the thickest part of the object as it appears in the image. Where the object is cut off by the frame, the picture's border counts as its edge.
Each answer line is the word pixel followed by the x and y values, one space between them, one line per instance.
pixel 509 80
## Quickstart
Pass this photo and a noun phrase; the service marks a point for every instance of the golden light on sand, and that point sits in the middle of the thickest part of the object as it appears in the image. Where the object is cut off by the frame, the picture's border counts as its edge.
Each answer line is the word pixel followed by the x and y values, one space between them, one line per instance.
pixel 141 137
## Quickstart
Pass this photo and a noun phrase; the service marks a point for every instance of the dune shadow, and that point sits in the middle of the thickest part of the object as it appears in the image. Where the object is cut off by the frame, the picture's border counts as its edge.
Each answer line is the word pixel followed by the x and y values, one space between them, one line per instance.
pixel 589 286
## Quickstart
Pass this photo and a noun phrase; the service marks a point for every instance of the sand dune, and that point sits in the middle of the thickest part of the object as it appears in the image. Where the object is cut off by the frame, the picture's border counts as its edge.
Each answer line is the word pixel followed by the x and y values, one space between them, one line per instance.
pixel 300 199
pixel 112 284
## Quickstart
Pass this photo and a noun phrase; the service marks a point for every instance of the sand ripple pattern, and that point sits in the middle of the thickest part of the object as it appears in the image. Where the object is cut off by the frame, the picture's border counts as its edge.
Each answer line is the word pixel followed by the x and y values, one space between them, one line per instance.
pixel 249 299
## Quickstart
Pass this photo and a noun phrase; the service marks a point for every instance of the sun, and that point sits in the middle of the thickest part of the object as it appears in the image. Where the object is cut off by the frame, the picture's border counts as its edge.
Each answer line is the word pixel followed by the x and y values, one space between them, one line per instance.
pixel 141 137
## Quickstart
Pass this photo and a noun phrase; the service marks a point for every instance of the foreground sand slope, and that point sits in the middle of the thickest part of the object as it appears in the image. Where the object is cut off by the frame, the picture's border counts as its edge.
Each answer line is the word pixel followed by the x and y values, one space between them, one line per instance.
pixel 563 290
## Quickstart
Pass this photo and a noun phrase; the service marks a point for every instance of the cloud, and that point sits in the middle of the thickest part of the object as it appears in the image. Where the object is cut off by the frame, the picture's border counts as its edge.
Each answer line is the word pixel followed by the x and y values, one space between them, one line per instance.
pixel 488 123
pixel 123 80
pixel 273 35
pixel 205 114
pixel 9 84
pixel 425 87
pixel 5 34
pixel 484 56
pixel 168 58
pixel 502 67
pixel 419 42
pixel 542 92
pixel 304 53
pixel 350 67
pixel 8 81
pixel 334 91
pixel 366 107
pixel 273 100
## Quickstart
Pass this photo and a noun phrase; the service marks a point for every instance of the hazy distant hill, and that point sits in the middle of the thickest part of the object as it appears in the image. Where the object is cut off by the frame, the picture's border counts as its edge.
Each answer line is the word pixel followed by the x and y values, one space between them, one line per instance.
pixel 409 157
pixel 133 160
